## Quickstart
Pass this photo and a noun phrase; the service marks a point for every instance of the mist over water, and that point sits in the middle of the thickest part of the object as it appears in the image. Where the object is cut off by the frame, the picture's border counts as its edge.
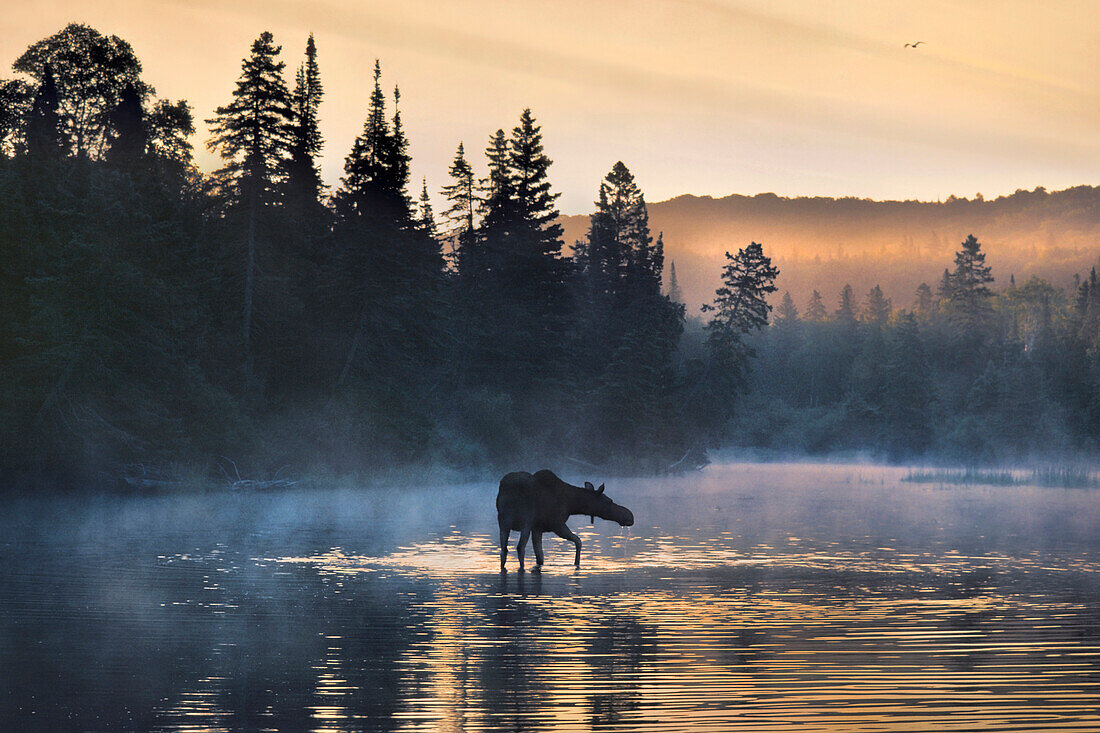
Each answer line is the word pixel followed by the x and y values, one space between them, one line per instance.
pixel 747 596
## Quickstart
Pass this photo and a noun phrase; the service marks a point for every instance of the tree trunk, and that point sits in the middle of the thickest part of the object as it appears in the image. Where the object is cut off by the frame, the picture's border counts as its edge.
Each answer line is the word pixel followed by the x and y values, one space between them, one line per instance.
pixel 248 280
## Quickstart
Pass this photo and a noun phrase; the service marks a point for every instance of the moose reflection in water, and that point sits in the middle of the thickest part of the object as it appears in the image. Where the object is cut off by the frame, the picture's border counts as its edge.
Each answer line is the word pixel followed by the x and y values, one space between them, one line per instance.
pixel 542 502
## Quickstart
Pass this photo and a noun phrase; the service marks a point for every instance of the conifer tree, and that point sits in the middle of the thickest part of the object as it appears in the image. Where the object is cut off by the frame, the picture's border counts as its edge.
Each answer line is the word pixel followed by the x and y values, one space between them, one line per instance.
pixel 390 267
pixel 497 187
pixel 969 304
pixel 128 129
pixel 461 195
pixel 945 289
pixel 674 293
pixel 618 255
pixel 303 174
pixel 497 210
pixel 521 269
pixel 740 307
pixel 1086 307
pixel 45 140
pixel 396 160
pixel 376 171
pixel 425 218
pixel 815 309
pixel 1086 292
pixel 532 270
pixel 787 313
pixel 651 265
pixel 536 211
pixel 876 308
pixel 253 135
pixel 846 307
pixel 780 349
pixel 253 132
pixel 924 302
pixel 628 330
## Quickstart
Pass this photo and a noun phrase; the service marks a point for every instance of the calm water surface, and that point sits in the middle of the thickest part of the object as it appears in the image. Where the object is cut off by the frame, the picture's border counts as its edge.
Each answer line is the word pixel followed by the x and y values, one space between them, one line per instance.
pixel 747 597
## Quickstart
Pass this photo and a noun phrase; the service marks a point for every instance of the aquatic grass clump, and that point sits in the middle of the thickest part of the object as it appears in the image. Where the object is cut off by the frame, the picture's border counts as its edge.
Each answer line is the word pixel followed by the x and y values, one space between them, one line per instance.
pixel 967 476
pixel 1068 477
pixel 1064 477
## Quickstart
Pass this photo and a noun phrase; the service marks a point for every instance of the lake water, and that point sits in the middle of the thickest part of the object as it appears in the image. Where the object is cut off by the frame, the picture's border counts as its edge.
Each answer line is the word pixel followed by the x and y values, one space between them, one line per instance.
pixel 747 597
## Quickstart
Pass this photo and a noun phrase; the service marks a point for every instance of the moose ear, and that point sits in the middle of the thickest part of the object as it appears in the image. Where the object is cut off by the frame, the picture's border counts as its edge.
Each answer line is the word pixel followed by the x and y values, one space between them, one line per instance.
pixel 600 490
pixel 588 485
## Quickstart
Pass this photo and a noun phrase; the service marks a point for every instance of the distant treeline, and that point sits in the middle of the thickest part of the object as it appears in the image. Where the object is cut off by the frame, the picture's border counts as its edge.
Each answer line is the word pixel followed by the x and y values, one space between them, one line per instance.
pixel 822 243
pixel 252 322
pixel 964 372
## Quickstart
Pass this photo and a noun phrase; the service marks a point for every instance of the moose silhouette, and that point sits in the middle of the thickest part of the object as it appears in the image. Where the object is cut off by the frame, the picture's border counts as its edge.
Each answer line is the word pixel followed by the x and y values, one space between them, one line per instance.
pixel 541 502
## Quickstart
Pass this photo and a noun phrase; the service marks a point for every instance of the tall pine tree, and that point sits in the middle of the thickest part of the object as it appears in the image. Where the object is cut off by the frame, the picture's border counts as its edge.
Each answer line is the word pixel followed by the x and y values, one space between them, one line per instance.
pixel 674 293
pixel 740 307
pixel 462 203
pixel 253 135
pixel 970 299
pixel 425 217
pixel 626 328
pixel 45 139
pixel 815 308
pixel 618 254
pixel 128 131
pixel 498 213
pixel 376 171
pixel 304 183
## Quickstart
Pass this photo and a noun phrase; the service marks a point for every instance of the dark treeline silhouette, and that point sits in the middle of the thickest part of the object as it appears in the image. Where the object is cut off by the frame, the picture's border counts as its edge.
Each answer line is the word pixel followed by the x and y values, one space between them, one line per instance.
pixel 252 323
pixel 158 320
pixel 965 371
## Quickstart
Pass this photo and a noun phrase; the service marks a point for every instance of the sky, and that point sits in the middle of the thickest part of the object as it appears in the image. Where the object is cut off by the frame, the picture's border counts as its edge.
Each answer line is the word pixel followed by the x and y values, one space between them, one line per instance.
pixel 709 97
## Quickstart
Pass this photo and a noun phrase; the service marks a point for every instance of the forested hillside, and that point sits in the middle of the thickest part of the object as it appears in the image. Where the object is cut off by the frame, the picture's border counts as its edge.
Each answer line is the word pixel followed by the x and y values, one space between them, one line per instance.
pixel 824 243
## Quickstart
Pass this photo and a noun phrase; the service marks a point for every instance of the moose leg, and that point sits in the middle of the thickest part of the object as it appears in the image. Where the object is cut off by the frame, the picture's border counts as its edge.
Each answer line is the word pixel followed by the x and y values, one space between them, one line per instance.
pixel 505 530
pixel 523 535
pixel 536 542
pixel 565 534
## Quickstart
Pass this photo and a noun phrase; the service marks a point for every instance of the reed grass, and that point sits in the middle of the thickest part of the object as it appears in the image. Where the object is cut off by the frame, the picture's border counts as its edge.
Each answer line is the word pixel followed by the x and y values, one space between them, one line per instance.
pixel 967 476
pixel 1069 477
pixel 1066 477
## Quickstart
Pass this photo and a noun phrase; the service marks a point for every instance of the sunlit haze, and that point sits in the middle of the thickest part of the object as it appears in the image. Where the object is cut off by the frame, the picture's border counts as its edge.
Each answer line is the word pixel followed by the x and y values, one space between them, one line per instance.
pixel 710 97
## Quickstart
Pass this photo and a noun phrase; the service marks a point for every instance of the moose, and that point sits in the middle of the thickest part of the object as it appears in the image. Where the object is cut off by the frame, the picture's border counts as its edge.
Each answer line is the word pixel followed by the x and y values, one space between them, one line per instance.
pixel 541 502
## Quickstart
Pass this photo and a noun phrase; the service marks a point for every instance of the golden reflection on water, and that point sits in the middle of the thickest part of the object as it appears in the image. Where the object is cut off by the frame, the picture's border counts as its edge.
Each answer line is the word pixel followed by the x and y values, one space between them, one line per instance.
pixel 639 639
pixel 456 553
pixel 733 660
pixel 328 713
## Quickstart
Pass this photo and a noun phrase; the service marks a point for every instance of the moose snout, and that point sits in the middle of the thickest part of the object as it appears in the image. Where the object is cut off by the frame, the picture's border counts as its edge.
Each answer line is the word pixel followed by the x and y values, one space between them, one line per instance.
pixel 628 518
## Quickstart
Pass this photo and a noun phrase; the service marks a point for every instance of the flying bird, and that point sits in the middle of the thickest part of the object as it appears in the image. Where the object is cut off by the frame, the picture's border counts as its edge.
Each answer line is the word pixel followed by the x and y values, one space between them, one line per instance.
pixel 913 45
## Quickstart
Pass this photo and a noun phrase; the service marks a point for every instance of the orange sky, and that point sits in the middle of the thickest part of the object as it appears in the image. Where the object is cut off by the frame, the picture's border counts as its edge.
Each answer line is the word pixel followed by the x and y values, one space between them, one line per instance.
pixel 701 96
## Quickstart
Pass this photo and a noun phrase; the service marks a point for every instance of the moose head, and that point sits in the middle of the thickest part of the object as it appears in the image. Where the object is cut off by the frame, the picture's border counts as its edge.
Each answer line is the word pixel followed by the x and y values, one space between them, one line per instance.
pixel 601 506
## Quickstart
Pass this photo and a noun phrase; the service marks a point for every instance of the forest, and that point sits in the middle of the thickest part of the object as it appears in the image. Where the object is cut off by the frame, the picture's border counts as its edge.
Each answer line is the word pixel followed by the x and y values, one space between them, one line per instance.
pixel 252 323
pixel 822 243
